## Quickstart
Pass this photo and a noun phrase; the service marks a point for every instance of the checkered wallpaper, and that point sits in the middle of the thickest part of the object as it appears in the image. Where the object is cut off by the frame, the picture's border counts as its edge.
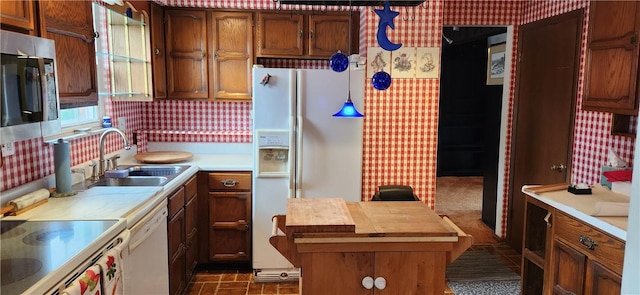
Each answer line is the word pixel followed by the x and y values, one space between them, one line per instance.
pixel 400 124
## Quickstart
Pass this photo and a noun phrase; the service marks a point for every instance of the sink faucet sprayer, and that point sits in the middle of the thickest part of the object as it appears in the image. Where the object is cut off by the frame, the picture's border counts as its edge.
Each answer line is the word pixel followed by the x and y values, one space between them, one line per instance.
pixel 102 163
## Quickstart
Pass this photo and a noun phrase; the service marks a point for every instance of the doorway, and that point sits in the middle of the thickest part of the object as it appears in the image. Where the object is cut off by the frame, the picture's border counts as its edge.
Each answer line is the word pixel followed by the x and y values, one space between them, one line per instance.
pixel 468 132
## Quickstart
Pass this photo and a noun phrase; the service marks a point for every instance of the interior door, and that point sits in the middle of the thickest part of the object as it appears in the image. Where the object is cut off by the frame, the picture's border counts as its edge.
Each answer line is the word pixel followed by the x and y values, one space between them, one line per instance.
pixel 546 87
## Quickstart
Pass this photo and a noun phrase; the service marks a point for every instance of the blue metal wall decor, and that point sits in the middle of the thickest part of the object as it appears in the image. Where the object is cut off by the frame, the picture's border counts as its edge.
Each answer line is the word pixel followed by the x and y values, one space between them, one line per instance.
pixel 386 19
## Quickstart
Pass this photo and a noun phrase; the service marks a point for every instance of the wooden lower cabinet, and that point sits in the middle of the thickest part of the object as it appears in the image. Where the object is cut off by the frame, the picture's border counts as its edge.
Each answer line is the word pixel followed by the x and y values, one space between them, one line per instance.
pixel 568 265
pixel 228 216
pixel 601 280
pixel 393 272
pixel 182 231
pixel 564 255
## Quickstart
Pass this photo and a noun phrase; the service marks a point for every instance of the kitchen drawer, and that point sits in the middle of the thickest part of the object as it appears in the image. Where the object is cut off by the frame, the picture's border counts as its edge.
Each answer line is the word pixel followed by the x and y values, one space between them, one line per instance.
pixel 191 189
pixel 606 249
pixel 229 181
pixel 176 202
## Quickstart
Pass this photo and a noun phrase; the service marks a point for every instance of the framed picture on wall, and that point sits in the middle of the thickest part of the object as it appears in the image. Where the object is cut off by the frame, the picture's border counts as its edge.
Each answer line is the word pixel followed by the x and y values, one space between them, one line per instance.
pixel 495 64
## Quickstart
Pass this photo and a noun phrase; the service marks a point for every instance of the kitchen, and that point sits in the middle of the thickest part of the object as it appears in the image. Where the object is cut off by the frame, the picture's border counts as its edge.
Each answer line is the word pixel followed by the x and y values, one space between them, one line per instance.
pixel 414 136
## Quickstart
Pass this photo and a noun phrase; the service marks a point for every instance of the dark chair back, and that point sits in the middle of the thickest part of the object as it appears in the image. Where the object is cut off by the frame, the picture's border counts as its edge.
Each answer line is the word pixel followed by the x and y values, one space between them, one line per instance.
pixel 395 193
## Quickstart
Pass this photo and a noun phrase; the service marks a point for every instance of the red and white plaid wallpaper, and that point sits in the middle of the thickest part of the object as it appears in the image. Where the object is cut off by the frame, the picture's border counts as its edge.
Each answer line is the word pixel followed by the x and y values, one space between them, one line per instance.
pixel 400 137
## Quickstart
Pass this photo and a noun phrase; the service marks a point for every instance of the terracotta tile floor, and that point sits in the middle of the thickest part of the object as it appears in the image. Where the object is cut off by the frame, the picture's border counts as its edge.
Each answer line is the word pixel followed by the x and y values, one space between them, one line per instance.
pixel 465 190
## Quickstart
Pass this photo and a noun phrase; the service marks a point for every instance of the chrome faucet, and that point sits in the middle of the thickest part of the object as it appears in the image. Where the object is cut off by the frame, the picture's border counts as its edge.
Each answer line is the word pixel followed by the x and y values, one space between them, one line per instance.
pixel 103 163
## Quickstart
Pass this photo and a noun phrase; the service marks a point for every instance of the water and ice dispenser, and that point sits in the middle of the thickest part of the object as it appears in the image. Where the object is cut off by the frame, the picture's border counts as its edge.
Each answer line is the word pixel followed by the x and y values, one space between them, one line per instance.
pixel 273 153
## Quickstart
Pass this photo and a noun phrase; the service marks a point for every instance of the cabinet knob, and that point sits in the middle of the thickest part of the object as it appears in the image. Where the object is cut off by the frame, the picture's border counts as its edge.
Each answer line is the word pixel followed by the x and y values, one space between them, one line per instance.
pixel 367 283
pixel 380 283
pixel 157 51
pixel 311 34
pixel 558 168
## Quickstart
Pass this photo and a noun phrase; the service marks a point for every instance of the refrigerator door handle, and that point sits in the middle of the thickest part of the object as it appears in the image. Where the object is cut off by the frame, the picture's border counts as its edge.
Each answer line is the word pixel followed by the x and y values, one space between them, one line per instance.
pixel 292 160
pixel 299 158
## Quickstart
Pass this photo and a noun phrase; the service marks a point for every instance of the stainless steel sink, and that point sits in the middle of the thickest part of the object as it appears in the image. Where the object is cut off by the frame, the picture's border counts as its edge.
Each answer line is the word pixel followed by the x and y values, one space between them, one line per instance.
pixel 133 181
pixel 144 175
pixel 155 170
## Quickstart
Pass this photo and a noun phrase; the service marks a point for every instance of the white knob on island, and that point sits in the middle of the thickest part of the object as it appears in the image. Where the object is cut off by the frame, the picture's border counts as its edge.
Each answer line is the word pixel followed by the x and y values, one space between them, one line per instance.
pixel 380 283
pixel 367 283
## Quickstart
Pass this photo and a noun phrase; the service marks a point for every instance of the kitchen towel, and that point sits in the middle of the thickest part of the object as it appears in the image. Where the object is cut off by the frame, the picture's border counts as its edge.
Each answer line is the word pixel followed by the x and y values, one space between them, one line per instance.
pixel 620 209
pixel 112 271
pixel 62 164
pixel 87 284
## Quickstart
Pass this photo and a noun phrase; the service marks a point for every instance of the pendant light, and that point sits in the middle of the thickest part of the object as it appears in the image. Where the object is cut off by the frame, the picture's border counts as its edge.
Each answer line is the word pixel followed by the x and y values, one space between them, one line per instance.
pixel 349 110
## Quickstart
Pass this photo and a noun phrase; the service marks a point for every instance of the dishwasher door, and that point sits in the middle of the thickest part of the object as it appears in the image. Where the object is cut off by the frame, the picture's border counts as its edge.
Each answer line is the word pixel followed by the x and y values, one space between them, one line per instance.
pixel 147 267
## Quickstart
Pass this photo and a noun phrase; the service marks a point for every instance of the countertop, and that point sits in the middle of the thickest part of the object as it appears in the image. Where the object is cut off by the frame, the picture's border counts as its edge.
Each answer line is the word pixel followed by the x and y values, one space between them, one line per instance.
pixel 581 207
pixel 129 202
pixel 126 203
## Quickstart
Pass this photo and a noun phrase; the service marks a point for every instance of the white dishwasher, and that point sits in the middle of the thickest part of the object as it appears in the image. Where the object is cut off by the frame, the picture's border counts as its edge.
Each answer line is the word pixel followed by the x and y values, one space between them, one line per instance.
pixel 147 267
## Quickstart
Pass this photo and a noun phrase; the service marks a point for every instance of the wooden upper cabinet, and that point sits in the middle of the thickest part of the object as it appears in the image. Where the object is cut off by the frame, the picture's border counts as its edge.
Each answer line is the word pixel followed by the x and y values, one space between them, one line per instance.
pixel 280 34
pixel 186 47
pixel 70 25
pixel 330 33
pixel 306 35
pixel 158 51
pixel 18 16
pixel 231 38
pixel 612 59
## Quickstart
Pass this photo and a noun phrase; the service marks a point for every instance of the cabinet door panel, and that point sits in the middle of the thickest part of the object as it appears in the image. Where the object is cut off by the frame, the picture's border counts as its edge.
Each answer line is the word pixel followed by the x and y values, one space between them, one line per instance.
pixel 232 46
pixel 18 14
pixel 230 231
pixel 191 238
pixel 158 51
pixel 337 273
pixel 70 25
pixel 177 277
pixel 612 58
pixel 569 269
pixel 280 34
pixel 601 281
pixel 328 34
pixel 411 272
pixel 187 70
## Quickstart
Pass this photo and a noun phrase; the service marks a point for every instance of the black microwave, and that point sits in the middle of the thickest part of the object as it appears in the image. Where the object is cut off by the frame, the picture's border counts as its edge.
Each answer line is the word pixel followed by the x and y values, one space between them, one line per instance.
pixel 29 105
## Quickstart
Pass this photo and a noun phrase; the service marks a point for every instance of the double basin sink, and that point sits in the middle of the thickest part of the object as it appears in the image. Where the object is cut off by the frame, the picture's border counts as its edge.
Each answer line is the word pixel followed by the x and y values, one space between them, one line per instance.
pixel 144 175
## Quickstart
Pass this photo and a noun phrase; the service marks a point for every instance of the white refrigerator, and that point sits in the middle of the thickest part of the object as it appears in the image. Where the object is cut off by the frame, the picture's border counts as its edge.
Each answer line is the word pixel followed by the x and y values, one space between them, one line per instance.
pixel 300 150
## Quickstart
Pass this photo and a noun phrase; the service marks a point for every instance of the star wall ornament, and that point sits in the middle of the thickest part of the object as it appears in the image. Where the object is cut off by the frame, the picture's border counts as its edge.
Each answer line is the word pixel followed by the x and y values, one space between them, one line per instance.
pixel 386 19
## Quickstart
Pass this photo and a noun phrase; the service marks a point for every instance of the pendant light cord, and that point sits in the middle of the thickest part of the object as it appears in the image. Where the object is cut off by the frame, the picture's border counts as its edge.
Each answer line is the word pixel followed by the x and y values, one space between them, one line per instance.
pixel 349 51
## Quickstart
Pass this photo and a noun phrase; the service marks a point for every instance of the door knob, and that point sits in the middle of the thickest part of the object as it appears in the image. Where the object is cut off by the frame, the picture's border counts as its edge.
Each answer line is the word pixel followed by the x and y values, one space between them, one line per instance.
pixel 380 283
pixel 558 168
pixel 367 283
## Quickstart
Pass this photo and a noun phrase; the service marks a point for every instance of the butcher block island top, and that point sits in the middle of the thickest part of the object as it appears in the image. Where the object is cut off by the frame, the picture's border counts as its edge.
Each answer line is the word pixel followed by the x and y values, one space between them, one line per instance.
pixel 366 247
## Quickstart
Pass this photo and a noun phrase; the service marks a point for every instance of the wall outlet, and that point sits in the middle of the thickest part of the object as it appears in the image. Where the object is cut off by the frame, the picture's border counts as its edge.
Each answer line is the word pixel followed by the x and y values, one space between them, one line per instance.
pixel 8 149
pixel 122 123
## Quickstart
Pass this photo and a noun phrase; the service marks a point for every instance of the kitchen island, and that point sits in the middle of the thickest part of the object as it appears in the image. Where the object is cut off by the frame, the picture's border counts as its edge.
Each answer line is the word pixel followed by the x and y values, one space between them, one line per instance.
pixel 368 247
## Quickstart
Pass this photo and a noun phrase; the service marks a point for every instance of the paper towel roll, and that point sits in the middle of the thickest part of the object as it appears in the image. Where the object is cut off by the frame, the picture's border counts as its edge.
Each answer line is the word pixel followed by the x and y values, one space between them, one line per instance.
pixel 62 163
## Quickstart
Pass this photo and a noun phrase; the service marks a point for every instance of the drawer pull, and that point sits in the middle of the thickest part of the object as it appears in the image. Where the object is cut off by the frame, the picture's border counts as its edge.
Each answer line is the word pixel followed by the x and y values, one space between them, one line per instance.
pixel 587 242
pixel 229 182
